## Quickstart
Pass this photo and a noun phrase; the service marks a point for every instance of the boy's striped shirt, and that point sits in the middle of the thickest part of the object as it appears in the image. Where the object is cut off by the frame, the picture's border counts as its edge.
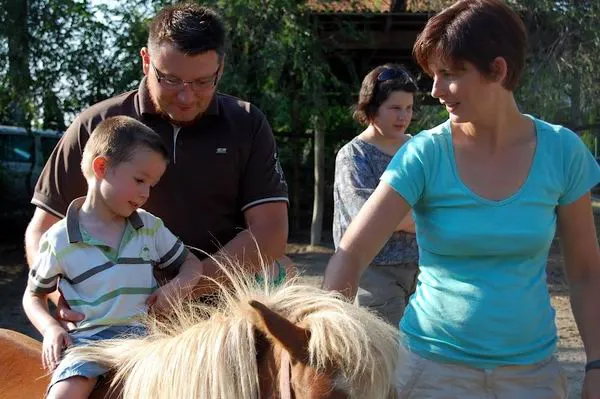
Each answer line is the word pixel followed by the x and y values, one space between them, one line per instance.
pixel 109 286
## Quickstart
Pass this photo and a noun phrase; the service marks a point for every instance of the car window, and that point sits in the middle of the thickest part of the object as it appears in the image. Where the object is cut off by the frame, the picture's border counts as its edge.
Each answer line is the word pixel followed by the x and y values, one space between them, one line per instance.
pixel 15 148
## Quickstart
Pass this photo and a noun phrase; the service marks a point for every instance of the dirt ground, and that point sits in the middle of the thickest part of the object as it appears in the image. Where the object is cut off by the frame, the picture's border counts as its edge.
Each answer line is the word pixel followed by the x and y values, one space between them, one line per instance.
pixel 311 262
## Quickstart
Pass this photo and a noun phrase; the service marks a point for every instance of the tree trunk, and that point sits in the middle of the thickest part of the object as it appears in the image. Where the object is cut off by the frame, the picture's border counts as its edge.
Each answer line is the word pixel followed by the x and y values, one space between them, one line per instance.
pixel 316 229
pixel 576 92
pixel 19 76
pixel 576 101
pixel 15 29
pixel 297 148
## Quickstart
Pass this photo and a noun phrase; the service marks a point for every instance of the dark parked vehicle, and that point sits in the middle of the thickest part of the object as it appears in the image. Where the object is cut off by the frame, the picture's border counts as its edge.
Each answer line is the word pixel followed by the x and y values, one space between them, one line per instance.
pixel 22 157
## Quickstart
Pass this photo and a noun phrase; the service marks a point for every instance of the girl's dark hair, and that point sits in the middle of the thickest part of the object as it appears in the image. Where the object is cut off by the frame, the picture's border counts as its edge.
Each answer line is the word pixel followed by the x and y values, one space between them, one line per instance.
pixel 377 86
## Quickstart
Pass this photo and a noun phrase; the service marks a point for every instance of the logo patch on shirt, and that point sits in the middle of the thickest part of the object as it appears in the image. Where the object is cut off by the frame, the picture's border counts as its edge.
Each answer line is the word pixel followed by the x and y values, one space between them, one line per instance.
pixel 221 150
pixel 279 171
pixel 145 254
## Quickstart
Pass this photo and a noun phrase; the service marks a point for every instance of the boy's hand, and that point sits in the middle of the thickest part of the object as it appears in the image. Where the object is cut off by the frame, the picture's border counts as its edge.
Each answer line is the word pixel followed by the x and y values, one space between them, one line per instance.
pixel 165 297
pixel 56 340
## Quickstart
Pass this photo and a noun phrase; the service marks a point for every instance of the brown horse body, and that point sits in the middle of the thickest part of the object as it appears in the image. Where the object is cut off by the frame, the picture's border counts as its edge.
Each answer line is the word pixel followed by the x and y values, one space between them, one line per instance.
pixel 21 372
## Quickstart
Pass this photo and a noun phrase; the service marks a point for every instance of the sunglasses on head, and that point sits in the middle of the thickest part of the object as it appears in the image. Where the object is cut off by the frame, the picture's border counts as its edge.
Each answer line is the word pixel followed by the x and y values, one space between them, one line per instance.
pixel 390 73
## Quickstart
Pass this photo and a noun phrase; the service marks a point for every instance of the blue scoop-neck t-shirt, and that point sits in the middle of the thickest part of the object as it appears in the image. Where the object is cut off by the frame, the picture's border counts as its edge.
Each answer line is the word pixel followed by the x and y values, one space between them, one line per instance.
pixel 482 298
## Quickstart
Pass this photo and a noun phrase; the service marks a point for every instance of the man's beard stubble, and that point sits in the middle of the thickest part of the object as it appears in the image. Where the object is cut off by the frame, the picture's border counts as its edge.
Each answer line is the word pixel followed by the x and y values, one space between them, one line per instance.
pixel 166 116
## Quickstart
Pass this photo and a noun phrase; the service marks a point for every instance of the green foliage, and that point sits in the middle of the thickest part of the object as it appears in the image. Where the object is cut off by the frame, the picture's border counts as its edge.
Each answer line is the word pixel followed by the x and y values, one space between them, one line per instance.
pixel 427 116
pixel 276 61
pixel 590 141
pixel 77 54
pixel 80 54
pixel 560 81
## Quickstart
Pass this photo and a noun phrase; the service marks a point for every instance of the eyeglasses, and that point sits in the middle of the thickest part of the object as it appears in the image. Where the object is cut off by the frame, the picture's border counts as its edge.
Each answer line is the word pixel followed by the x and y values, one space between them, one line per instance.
pixel 198 85
pixel 391 73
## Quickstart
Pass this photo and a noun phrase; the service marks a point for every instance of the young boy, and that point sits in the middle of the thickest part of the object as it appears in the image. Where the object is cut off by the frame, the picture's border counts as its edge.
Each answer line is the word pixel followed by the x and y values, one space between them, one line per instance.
pixel 101 256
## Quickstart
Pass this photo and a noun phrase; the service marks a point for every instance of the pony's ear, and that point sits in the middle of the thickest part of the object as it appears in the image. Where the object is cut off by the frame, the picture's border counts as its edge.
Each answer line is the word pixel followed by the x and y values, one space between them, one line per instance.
pixel 275 327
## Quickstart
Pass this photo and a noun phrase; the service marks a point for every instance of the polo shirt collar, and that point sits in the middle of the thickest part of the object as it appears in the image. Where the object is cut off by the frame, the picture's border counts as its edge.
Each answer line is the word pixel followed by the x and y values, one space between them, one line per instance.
pixel 147 106
pixel 74 233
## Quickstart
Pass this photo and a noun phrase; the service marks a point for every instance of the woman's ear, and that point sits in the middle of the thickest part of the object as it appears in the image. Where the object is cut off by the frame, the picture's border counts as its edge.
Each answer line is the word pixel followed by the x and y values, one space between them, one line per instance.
pixel 100 166
pixel 499 70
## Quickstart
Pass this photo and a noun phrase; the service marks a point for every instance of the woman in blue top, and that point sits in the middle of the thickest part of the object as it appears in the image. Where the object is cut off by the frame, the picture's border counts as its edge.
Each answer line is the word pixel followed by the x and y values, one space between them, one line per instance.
pixel 385 107
pixel 487 188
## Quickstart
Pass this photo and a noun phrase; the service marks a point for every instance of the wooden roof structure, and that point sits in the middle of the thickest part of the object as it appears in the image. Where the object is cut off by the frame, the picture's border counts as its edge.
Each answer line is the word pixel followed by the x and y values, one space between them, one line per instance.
pixel 361 34
pixel 377 6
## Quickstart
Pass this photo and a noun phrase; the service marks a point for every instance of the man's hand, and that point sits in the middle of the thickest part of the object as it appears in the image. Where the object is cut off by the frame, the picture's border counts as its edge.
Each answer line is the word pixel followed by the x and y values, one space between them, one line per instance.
pixel 65 315
pixel 56 340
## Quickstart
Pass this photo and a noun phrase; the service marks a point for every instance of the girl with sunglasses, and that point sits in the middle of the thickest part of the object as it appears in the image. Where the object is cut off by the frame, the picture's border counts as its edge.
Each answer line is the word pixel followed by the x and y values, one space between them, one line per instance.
pixel 385 107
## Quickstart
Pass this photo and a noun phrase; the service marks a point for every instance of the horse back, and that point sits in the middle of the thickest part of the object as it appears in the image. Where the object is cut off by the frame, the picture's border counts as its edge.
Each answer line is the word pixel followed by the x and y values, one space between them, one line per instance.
pixel 21 372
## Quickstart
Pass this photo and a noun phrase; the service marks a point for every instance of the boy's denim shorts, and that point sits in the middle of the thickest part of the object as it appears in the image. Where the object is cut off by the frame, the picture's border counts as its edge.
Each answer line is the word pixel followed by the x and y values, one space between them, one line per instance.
pixel 67 369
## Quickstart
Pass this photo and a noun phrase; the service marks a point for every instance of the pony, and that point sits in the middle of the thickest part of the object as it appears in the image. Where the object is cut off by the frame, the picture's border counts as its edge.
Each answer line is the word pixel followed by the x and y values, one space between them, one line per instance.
pixel 256 340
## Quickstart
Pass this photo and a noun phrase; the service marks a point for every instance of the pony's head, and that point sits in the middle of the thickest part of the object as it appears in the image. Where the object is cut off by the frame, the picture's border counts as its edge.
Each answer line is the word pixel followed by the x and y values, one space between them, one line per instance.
pixel 256 341
pixel 287 351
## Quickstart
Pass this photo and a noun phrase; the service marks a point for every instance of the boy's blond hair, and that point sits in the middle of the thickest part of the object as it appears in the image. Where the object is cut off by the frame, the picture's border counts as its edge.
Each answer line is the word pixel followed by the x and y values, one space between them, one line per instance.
pixel 117 138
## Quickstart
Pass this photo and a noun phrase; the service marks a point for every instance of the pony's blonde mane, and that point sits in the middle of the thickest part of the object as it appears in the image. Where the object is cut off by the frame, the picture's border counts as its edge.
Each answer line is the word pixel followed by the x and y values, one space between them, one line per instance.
pixel 203 351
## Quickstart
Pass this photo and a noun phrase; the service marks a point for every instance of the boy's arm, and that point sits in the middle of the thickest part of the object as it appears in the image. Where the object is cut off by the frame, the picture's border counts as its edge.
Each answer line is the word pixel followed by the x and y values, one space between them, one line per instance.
pixel 39 224
pixel 36 309
pixel 56 338
pixel 189 274
pixel 181 286
pixel 173 259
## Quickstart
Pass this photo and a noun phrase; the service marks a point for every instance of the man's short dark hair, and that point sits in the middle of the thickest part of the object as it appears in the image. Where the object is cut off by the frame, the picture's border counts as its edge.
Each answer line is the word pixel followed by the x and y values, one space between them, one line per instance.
pixel 377 86
pixel 118 138
pixel 190 28
pixel 475 31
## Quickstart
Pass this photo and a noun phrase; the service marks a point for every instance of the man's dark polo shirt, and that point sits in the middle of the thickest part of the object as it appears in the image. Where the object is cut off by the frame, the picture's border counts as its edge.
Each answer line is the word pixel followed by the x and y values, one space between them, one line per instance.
pixel 221 166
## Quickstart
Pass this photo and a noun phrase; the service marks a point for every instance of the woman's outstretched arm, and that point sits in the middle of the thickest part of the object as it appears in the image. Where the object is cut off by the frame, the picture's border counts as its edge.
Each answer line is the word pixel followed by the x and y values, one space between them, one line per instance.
pixel 366 235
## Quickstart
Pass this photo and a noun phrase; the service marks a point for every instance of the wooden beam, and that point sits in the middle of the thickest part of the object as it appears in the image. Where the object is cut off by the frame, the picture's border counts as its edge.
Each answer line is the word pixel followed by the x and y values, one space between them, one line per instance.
pixel 394 40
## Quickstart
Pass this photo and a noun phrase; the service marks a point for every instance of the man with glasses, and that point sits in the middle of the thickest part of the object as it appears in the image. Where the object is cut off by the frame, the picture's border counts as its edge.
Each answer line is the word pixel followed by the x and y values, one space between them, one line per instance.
pixel 223 188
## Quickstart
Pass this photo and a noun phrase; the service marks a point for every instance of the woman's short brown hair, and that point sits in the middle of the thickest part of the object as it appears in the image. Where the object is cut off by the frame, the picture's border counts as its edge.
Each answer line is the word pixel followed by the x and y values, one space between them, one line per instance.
pixel 476 31
pixel 377 86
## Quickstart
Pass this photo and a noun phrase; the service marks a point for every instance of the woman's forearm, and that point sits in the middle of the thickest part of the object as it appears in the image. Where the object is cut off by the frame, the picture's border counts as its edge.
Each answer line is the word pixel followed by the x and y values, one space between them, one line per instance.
pixel 365 237
pixel 585 297
pixel 342 274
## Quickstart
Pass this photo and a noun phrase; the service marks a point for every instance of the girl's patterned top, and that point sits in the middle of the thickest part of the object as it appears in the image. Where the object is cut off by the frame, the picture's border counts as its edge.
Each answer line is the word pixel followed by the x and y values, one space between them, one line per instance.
pixel 358 167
